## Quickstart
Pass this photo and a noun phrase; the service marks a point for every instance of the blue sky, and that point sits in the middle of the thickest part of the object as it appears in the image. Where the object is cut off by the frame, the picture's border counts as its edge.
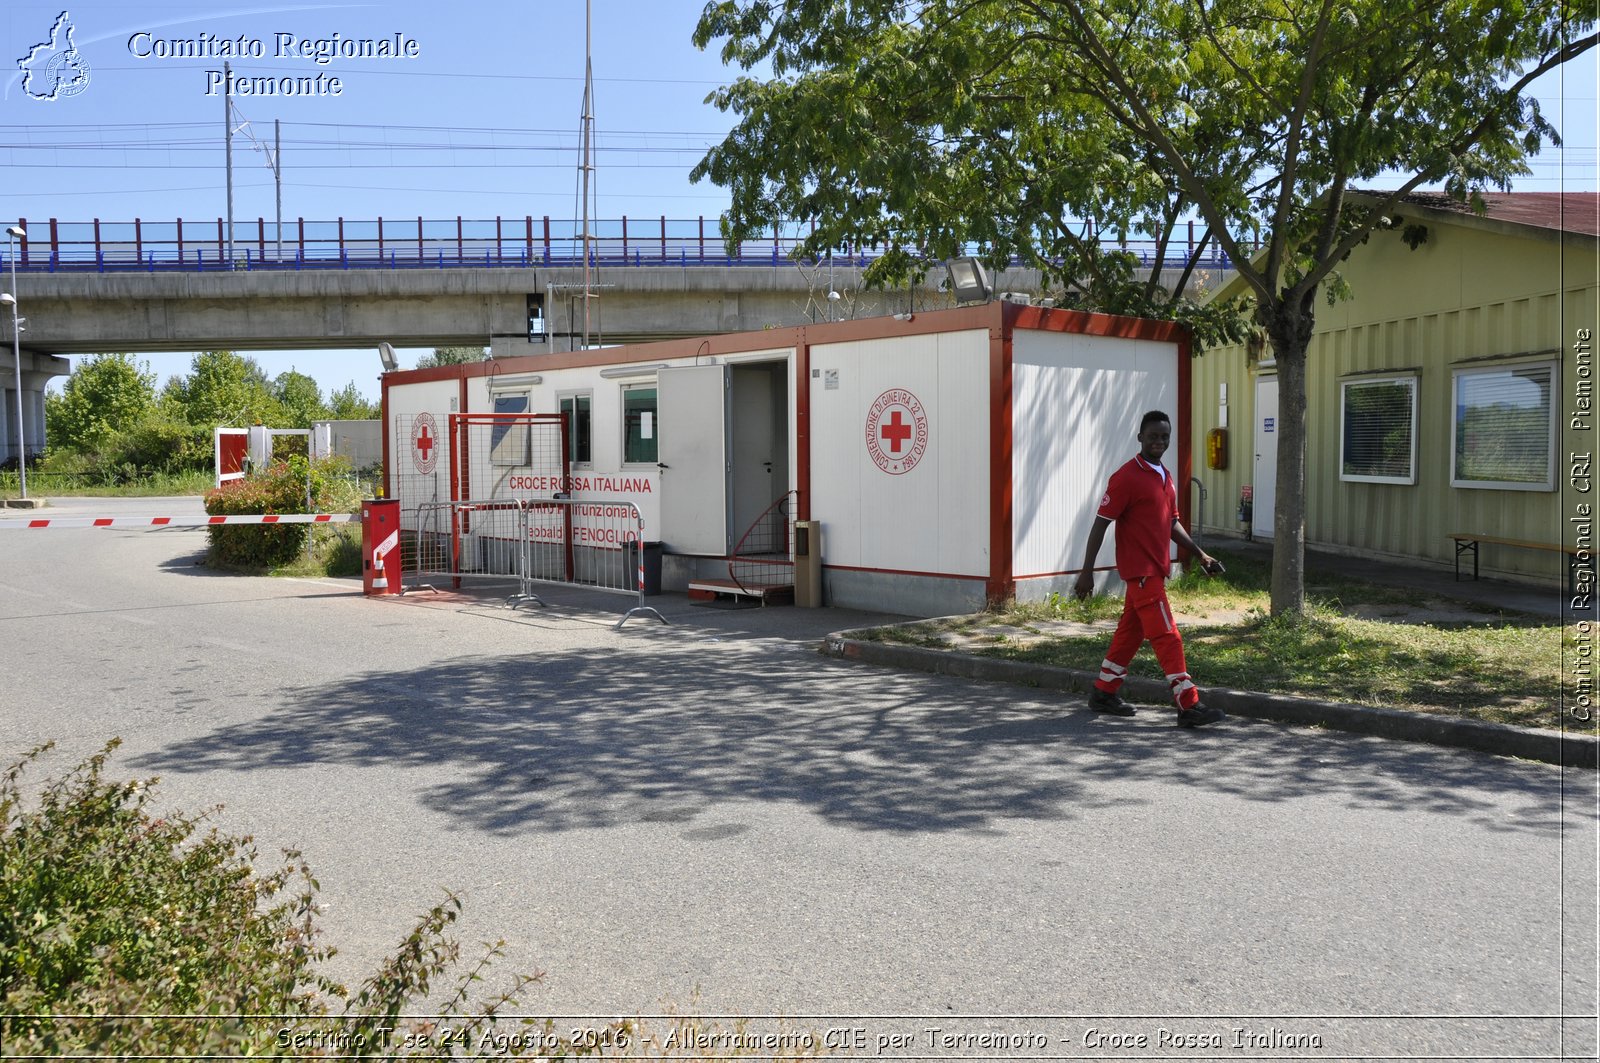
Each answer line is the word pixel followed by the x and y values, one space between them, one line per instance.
pixel 482 120
pixel 417 135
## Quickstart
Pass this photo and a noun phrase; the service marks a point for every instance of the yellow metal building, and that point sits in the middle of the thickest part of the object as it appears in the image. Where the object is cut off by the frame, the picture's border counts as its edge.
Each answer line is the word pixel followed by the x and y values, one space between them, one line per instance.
pixel 1450 394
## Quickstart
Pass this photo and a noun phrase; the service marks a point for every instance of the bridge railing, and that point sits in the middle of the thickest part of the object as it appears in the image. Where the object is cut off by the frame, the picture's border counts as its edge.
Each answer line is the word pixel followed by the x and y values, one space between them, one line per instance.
pixel 417 243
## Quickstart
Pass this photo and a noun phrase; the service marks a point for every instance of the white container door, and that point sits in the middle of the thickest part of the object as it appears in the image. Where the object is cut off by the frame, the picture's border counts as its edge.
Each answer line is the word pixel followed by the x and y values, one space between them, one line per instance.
pixel 1266 470
pixel 692 406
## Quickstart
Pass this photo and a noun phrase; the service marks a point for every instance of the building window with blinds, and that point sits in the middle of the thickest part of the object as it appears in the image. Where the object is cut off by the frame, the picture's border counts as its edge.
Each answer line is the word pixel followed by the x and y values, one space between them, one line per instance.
pixel 1378 437
pixel 1504 428
pixel 508 439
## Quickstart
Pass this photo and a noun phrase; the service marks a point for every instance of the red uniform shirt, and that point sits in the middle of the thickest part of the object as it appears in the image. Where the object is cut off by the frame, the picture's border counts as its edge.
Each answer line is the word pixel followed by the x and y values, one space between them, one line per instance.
pixel 1143 501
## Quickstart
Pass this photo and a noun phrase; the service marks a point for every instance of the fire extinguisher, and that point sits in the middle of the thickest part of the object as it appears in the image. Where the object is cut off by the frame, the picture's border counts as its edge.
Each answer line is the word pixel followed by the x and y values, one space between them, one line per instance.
pixel 1217 448
pixel 1247 510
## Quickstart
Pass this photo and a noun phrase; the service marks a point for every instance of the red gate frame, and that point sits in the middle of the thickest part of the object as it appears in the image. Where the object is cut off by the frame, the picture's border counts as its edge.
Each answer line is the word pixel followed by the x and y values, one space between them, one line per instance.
pixel 461 480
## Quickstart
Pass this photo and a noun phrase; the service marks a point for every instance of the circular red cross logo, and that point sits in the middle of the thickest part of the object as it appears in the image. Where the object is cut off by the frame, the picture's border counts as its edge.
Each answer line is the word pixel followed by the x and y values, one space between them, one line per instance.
pixel 897 431
pixel 424 443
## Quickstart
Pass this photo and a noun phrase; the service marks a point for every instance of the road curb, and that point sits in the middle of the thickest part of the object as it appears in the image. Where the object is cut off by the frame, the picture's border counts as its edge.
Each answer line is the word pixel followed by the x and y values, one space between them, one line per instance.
pixel 1526 743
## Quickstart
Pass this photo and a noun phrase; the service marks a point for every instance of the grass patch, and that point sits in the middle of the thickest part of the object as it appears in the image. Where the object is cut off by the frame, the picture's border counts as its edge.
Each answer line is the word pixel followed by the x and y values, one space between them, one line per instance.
pixel 331 551
pixel 1505 674
pixel 77 485
pixel 1504 668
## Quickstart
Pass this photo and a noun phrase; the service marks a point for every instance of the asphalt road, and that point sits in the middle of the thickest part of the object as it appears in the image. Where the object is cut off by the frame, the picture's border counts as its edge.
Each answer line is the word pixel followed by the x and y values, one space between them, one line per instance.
pixel 712 812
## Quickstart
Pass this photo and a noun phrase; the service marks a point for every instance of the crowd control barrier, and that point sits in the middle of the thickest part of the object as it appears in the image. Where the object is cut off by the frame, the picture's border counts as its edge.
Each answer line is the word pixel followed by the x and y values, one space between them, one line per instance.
pixel 579 542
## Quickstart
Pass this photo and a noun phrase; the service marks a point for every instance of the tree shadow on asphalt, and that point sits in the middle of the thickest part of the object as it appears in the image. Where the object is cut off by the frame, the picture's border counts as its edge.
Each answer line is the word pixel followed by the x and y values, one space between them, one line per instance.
pixel 603 737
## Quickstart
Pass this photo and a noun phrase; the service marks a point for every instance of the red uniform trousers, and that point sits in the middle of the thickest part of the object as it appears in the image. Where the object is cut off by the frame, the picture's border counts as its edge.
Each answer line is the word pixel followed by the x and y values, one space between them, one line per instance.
pixel 1146 615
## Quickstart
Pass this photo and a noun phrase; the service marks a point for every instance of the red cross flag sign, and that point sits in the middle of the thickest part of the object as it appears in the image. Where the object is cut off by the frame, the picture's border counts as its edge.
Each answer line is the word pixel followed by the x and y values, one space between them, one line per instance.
pixel 424 443
pixel 897 431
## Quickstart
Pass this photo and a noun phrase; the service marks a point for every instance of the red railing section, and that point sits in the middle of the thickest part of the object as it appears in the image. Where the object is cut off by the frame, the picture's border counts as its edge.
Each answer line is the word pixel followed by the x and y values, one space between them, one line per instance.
pixel 763 558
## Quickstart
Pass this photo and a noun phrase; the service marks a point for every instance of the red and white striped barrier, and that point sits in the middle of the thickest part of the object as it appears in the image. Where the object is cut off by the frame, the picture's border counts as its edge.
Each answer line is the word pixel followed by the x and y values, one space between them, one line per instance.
pixel 182 522
pixel 380 579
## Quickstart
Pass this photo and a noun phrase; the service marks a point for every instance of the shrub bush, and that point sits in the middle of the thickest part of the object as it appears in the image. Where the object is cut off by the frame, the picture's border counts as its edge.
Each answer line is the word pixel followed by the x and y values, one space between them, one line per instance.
pixel 124 933
pixel 158 444
pixel 154 448
pixel 292 486
pixel 130 935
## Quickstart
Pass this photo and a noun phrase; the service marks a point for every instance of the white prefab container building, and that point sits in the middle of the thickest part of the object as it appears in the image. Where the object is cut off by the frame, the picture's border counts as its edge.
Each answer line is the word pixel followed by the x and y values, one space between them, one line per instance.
pixel 951 459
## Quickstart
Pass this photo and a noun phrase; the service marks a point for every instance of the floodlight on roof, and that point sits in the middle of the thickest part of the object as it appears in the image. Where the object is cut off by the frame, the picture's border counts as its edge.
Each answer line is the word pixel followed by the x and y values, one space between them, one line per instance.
pixel 968 280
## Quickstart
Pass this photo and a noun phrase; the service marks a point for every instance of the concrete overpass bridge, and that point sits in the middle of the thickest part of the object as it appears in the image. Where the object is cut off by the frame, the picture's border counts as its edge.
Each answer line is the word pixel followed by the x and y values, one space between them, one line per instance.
pixel 150 287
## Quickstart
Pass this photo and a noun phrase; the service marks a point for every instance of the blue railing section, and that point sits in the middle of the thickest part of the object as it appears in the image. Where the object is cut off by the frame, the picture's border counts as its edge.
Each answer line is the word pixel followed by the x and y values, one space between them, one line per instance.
pixel 418 243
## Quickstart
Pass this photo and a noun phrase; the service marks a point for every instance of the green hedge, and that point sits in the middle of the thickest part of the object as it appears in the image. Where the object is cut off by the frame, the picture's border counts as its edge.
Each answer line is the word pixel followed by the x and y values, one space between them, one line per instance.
pixel 292 486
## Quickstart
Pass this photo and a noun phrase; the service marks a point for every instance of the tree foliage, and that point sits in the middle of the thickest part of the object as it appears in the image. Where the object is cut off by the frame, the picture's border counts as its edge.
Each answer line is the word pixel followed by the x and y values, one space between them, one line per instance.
pixel 923 133
pixel 348 404
pixel 300 399
pixel 106 394
pixel 223 388
pixel 108 423
pixel 921 126
pixel 450 356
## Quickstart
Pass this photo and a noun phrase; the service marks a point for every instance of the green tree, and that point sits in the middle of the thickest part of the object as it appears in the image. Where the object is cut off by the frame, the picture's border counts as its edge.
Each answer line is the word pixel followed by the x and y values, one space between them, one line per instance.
pixel 925 137
pixel 451 356
pixel 348 404
pixel 106 394
pixel 300 398
pixel 1260 119
pixel 223 388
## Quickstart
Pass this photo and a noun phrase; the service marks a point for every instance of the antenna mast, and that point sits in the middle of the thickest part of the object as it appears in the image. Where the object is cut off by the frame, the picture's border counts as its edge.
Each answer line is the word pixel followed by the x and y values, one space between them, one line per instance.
pixel 227 147
pixel 586 162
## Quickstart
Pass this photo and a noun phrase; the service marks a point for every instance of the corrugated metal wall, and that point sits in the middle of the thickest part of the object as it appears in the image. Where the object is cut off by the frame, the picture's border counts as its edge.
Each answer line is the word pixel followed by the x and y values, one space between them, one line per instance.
pixel 1467 294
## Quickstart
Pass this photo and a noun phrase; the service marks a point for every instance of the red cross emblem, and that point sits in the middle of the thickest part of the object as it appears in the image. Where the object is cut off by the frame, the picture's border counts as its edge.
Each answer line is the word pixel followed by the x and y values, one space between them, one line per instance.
pixel 424 443
pixel 897 431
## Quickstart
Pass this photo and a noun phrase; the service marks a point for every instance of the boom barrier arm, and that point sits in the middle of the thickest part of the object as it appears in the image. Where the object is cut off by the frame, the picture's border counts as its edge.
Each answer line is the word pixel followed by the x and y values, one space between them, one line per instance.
pixel 181 522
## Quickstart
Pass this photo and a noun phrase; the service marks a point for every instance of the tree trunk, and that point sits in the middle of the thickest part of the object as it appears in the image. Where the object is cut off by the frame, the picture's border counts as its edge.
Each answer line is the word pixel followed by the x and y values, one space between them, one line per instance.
pixel 1289 331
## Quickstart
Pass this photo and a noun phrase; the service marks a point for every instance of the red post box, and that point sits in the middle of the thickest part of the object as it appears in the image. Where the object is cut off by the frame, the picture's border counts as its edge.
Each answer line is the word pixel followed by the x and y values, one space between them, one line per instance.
pixel 380 546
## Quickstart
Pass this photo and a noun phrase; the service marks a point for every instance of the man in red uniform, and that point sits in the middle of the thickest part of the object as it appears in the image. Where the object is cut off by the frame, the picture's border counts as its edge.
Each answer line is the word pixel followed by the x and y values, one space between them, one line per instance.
pixel 1143 501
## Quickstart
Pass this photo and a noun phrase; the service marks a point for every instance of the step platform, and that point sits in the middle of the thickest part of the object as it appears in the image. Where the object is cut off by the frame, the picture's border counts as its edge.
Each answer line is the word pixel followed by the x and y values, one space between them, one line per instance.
pixel 708 590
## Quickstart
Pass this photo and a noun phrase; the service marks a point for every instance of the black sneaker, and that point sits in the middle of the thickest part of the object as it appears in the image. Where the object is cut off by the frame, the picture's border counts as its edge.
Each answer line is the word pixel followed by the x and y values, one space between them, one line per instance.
pixel 1200 715
pixel 1101 701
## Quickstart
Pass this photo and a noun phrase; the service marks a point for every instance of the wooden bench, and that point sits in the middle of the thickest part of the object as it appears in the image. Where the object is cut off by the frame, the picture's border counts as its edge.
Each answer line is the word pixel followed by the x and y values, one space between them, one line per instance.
pixel 1469 541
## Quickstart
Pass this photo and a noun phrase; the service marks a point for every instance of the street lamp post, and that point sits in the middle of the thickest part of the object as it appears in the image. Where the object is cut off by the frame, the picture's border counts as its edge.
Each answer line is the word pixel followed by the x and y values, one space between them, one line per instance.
pixel 7 299
pixel 13 233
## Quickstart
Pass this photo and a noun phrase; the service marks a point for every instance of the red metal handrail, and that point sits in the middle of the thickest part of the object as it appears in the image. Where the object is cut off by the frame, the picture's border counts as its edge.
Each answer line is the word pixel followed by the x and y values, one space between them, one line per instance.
pixel 756 562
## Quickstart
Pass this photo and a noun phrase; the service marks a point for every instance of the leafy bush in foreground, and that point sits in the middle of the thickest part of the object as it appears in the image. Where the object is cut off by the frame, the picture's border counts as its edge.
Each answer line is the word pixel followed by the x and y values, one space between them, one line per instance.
pixel 127 933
